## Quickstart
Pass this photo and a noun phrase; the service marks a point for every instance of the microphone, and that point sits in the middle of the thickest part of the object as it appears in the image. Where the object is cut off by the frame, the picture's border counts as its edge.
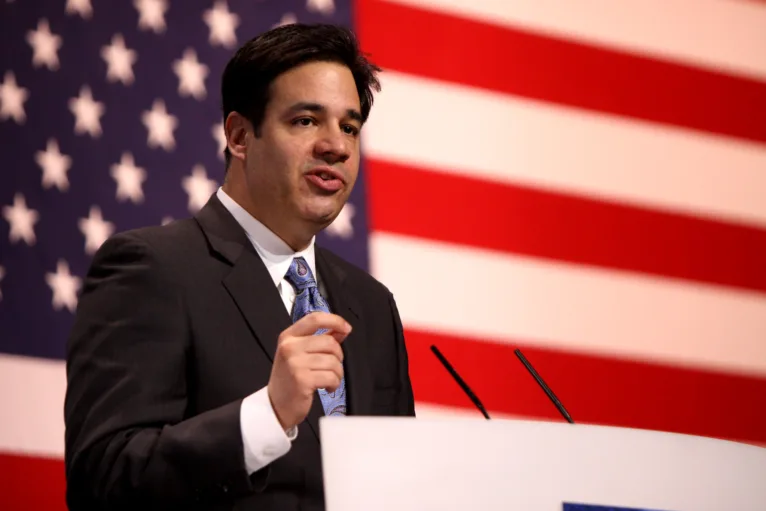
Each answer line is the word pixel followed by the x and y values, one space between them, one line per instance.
pixel 475 400
pixel 545 387
pixel 460 381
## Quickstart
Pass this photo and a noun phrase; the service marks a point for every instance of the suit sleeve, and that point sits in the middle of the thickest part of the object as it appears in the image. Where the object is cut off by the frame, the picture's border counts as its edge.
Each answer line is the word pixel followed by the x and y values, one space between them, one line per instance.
pixel 129 443
pixel 406 401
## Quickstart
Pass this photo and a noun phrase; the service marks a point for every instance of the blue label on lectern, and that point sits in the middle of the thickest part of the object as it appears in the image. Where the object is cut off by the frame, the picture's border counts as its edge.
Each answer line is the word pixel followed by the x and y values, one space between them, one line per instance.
pixel 591 507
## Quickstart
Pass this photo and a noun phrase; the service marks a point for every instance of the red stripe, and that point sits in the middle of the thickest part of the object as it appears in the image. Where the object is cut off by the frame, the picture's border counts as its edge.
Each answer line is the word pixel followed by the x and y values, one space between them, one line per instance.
pixel 560 71
pixel 31 483
pixel 527 221
pixel 594 390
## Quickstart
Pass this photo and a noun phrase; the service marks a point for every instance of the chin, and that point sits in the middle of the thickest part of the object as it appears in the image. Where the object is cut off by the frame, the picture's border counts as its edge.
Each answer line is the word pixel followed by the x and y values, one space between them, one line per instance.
pixel 321 216
pixel 322 211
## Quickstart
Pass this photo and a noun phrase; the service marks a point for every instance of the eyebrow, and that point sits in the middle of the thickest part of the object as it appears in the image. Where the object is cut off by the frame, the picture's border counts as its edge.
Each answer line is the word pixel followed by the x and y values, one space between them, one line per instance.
pixel 316 107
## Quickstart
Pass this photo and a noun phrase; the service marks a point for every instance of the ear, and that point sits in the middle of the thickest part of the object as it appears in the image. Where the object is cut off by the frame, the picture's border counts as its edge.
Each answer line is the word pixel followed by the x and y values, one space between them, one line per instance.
pixel 237 127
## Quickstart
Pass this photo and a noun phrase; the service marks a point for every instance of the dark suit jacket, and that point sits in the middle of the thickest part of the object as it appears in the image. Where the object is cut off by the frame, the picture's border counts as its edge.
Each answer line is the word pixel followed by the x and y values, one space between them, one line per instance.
pixel 174 327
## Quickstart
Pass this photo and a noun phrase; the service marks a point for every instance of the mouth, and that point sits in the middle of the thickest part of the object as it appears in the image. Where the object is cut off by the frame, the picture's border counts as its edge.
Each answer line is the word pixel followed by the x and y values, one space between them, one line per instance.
pixel 326 179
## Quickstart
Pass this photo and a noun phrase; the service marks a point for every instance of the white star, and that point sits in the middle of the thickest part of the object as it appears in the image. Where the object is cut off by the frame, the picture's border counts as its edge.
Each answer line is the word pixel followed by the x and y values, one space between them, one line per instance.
pixel 160 125
pixel 95 230
pixel 222 24
pixel 166 220
pixel 151 14
pixel 81 7
pixel 2 274
pixel 55 166
pixel 119 61
pixel 323 6
pixel 287 19
pixel 219 135
pixel 198 187
pixel 64 286
pixel 22 220
pixel 87 113
pixel 12 98
pixel 45 46
pixel 191 75
pixel 342 226
pixel 129 179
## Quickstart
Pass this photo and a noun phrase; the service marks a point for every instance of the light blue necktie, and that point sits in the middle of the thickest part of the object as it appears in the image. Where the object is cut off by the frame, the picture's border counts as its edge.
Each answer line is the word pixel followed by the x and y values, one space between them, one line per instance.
pixel 307 300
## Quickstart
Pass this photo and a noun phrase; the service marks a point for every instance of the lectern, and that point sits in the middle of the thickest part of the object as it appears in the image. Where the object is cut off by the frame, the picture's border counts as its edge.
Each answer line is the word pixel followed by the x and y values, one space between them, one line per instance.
pixel 414 464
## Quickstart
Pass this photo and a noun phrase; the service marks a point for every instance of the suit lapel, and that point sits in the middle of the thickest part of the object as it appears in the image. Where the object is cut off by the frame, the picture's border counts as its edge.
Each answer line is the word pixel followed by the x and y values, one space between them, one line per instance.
pixel 252 289
pixel 248 282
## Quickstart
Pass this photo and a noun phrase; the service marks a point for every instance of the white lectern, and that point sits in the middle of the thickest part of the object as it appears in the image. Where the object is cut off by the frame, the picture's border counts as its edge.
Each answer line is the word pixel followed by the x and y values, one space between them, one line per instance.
pixel 402 464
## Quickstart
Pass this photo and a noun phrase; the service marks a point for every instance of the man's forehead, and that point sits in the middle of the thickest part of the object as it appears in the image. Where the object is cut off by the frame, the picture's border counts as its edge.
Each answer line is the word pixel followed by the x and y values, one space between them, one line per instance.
pixel 319 82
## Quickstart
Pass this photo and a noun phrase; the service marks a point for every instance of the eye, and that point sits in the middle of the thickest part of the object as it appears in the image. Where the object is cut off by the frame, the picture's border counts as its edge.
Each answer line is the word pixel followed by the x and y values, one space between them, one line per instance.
pixel 303 121
pixel 350 129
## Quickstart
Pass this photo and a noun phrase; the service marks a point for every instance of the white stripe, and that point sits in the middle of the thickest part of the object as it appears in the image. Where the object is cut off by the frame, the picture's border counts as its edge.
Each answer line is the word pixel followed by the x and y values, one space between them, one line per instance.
pixel 505 298
pixel 32 400
pixel 463 130
pixel 728 35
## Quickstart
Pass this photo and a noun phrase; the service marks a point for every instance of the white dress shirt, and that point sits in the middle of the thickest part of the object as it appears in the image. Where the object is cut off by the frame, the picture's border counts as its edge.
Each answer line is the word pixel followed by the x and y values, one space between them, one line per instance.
pixel 263 438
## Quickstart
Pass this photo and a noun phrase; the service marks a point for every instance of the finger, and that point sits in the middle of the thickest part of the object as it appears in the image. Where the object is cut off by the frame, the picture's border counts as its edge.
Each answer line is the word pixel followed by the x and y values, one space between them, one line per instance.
pixel 338 337
pixel 325 380
pixel 322 344
pixel 319 362
pixel 310 323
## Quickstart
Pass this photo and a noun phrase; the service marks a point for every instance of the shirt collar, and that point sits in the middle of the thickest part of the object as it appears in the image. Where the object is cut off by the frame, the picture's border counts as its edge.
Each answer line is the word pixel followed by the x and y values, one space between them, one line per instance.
pixel 275 253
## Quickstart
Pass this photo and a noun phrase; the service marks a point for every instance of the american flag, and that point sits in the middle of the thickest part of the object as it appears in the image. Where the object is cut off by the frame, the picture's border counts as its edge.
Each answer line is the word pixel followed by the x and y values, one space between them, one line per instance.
pixel 585 181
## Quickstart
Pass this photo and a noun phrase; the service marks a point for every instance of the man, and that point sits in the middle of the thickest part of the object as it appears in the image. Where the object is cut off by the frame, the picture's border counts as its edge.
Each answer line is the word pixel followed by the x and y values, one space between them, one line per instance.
pixel 205 351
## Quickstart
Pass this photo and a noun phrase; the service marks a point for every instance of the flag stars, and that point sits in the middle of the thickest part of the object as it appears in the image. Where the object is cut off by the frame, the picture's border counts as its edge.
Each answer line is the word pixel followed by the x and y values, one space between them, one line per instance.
pixel 12 98
pixel 151 14
pixel 326 7
pixel 129 179
pixel 55 166
pixel 64 286
pixel 95 229
pixel 219 135
pixel 160 125
pixel 342 227
pixel 81 7
pixel 119 61
pixel 22 221
pixel 287 19
pixel 222 24
pixel 191 75
pixel 87 113
pixel 45 46
pixel 198 187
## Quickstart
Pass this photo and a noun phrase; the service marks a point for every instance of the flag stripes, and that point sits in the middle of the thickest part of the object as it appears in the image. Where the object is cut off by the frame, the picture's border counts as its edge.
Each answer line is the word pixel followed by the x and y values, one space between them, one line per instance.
pixel 561 71
pixel 506 139
pixel 528 221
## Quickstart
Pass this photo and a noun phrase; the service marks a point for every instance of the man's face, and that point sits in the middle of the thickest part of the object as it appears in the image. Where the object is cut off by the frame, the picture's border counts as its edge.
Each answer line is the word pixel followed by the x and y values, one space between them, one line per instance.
pixel 301 169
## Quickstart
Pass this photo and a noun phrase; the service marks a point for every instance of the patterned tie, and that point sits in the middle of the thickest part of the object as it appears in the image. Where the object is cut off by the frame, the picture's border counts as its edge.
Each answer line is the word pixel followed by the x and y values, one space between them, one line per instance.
pixel 308 299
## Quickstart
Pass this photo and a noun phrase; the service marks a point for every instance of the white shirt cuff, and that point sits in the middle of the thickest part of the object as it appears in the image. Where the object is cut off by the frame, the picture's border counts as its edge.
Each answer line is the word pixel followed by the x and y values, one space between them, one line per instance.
pixel 263 438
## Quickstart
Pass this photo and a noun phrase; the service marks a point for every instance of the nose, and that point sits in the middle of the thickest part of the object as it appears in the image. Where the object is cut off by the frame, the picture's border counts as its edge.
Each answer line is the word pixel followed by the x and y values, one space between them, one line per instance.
pixel 332 146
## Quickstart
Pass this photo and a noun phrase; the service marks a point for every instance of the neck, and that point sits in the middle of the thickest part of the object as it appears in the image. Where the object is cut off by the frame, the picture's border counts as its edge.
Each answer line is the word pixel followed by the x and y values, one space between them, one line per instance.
pixel 295 240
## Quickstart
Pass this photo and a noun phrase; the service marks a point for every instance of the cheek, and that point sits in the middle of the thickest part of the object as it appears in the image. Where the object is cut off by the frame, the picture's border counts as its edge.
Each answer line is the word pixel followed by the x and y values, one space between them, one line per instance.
pixel 294 155
pixel 353 167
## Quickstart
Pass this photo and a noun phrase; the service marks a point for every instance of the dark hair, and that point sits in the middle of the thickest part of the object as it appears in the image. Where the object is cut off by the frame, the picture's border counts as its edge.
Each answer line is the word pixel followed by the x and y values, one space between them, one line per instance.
pixel 248 75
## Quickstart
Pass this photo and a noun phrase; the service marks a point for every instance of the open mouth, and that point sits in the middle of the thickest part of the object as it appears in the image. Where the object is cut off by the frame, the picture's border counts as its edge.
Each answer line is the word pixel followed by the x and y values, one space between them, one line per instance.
pixel 325 179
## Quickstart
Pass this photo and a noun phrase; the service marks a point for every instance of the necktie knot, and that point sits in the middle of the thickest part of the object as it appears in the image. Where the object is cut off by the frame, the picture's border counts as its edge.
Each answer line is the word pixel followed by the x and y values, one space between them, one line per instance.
pixel 299 275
